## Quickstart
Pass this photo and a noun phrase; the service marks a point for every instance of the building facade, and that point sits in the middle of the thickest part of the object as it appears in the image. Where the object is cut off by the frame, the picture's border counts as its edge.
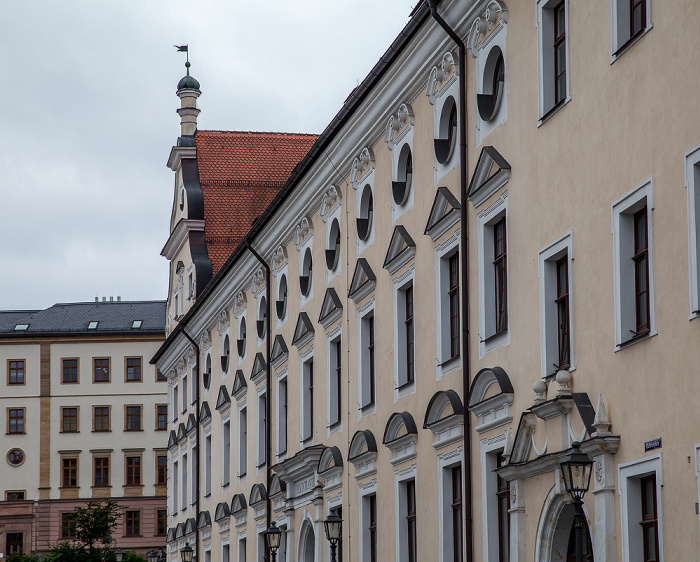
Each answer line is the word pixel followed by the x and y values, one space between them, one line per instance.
pixel 86 419
pixel 329 352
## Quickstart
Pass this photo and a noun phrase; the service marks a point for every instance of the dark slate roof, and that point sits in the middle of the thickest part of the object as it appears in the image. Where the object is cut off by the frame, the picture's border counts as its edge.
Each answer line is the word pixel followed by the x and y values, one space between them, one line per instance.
pixel 73 319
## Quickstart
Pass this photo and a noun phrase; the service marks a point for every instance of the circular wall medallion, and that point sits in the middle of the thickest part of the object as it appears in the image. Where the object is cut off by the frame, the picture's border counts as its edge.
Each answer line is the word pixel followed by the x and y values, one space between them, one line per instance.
pixel 15 457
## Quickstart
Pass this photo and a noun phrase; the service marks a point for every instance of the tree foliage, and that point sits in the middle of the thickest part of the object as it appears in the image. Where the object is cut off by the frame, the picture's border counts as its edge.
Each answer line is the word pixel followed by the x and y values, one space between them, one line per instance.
pixel 95 522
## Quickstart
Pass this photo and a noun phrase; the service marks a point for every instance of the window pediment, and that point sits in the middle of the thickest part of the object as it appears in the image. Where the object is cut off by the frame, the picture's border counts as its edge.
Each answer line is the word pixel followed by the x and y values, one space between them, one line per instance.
pixel 190 526
pixel 240 385
pixel 259 368
pixel 331 309
pixel 443 214
pixel 181 432
pixel 172 439
pixel 444 416
pixel 363 281
pixel 180 531
pixel 191 424
pixel 204 413
pixel 491 396
pixel 204 520
pixel 400 436
pixel 304 331
pixel 279 352
pixel 401 249
pixel 491 173
pixel 223 401
pixel 363 453
pixel 222 512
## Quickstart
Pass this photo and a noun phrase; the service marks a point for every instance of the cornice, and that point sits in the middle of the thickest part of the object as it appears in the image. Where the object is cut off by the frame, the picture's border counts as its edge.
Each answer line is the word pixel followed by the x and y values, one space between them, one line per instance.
pixel 179 235
pixel 178 153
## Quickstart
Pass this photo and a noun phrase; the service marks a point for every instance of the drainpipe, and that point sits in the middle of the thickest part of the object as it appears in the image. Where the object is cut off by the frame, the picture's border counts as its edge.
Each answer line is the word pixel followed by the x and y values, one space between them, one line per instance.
pixel 468 538
pixel 199 444
pixel 268 397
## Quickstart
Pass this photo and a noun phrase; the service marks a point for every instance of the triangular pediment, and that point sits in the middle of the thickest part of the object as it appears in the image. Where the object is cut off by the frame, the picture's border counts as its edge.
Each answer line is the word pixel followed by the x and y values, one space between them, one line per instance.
pixel 223 400
pixel 240 385
pixel 279 352
pixel 172 439
pixel 191 423
pixel 304 330
pixel 331 309
pixel 181 433
pixel 522 444
pixel 443 214
pixel 363 280
pixel 204 413
pixel 259 368
pixel 491 173
pixel 401 249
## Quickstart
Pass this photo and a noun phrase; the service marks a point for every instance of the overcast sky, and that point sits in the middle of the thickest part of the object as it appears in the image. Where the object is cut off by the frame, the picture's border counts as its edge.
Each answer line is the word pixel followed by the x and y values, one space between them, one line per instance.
pixel 89 116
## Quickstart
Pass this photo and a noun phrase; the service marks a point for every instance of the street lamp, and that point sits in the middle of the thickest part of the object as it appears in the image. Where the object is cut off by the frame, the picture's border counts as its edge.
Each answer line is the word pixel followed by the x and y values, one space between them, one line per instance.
pixel 152 556
pixel 273 536
pixel 576 472
pixel 334 530
pixel 186 553
pixel 119 555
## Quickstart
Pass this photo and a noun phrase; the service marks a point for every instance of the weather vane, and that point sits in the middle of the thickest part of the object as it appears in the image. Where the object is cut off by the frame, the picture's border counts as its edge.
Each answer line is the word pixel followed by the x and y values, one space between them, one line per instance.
pixel 184 49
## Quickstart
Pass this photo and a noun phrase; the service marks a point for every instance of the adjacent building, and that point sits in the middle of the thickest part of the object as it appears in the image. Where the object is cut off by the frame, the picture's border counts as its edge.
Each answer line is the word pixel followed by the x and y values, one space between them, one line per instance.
pixel 85 419
pixel 322 365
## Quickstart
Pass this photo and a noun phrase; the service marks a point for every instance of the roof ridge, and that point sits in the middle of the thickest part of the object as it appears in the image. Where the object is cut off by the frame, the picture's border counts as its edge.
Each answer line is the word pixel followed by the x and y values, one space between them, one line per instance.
pixel 280 133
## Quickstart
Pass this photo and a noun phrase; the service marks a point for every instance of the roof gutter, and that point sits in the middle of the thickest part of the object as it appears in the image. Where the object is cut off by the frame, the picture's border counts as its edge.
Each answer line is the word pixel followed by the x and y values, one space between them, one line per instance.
pixel 464 241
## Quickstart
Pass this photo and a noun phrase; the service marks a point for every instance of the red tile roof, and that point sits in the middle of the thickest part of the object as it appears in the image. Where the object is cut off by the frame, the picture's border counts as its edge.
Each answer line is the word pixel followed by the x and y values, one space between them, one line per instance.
pixel 240 173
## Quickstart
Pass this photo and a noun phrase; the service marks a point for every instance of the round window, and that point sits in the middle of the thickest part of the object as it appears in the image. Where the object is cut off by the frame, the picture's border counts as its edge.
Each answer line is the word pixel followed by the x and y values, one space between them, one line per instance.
pixel 15 457
pixel 262 318
pixel 364 220
pixel 282 298
pixel 333 249
pixel 306 274
pixel 207 373
pixel 404 176
pixel 241 337
pixel 447 132
pixel 225 353
pixel 492 85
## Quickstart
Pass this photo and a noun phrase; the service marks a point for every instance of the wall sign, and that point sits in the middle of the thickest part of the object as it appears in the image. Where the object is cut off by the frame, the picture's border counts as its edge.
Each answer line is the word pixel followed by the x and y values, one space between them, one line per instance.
pixel 653 444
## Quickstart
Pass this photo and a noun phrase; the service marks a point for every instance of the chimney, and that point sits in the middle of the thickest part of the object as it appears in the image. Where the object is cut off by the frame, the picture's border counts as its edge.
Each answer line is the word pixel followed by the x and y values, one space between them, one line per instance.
pixel 111 299
pixel 119 299
pixel 97 299
pixel 188 92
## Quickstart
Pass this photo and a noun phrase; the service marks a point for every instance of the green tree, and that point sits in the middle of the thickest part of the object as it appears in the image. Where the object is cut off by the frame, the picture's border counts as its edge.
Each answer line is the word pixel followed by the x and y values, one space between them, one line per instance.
pixel 95 522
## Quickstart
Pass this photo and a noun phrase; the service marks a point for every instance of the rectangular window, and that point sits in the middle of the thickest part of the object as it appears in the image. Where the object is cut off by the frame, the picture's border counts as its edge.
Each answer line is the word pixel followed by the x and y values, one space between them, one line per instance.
pixel 262 429
pixel 101 471
pixel 650 529
pixel 411 530
pixel 69 420
pixel 184 394
pixel 160 376
pixel 185 471
pixel 175 402
pixel 630 19
pixel 176 486
pixel 67 525
pixel 15 420
pixel 242 543
pixel 100 370
pixel 226 453
pixel 372 527
pixel 101 418
pixel 161 417
pixel 14 542
pixel 453 304
pixel 15 495
pixel 307 401
pixel 161 522
pixel 207 466
pixel 408 322
pixel 133 369
pixel 132 523
pixel 559 53
pixel 692 184
pixel 457 544
pixel 562 303
pixel 366 359
pixel 335 385
pixel 242 442
pixel 404 334
pixel 448 311
pixel 133 471
pixel 15 371
pixel 161 470
pixel 553 52
pixel 282 417
pixel 633 265
pixel 70 371
pixel 133 418
pixel 69 473
pixel 500 274
pixel 503 499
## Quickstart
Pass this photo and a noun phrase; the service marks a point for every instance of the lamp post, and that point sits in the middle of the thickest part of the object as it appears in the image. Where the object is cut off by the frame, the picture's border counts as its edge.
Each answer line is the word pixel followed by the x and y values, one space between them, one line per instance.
pixel 186 553
pixel 576 472
pixel 273 537
pixel 119 555
pixel 334 530
pixel 152 556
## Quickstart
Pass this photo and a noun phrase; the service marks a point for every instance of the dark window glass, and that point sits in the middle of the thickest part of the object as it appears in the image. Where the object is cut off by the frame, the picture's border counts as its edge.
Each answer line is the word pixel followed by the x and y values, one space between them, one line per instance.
pixel 101 370
pixel 15 421
pixel 372 528
pixel 132 523
pixel 371 381
pixel 133 418
pixel 162 417
pixel 638 16
pixel 283 415
pixel 457 544
pixel 16 375
pixel 70 473
pixel 562 302
pixel 101 418
pixel 649 522
pixel 133 471
pixel 338 380
pixel 14 542
pixel 101 471
pixel 503 496
pixel 560 53
pixel 70 370
pixel 68 525
pixel 14 496
pixel 641 270
pixel 133 369
pixel 70 420
pixel 161 470
pixel 161 522
pixel 454 305
pixel 500 274
pixel 411 520
pixel 160 376
pixel 410 347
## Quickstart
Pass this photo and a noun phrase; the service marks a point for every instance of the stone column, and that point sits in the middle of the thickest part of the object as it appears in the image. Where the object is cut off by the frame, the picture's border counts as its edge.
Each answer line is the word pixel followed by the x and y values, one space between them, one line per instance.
pixel 603 478
pixel 518 552
pixel 289 537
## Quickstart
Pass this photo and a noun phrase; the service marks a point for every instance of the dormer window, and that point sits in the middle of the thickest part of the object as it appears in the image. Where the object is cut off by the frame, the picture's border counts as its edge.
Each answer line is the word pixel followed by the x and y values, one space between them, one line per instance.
pixel 364 219
pixel 136 324
pixel 305 278
pixel 92 325
pixel 21 327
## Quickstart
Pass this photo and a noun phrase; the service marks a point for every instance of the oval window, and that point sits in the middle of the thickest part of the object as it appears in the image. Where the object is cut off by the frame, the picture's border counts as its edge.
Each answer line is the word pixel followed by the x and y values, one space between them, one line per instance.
pixel 364 219
pixel 306 274
pixel 15 457
pixel 225 353
pixel 447 132
pixel 492 85
pixel 262 318
pixel 404 176
pixel 281 303
pixel 207 372
pixel 241 337
pixel 333 249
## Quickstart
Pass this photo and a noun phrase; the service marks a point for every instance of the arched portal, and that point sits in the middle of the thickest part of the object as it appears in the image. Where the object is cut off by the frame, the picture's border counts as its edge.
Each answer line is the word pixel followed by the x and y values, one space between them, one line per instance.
pixel 307 543
pixel 555 537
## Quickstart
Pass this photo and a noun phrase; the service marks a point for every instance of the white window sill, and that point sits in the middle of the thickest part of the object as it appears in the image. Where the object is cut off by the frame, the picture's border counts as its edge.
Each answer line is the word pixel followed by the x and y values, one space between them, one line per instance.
pixel 633 341
pixel 616 55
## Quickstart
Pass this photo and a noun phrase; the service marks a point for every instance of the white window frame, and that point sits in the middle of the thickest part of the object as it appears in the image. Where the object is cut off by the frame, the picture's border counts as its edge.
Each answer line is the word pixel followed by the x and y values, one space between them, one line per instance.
pixel 261 429
pixel 193 475
pixel 369 489
pixel 183 488
pixel 335 215
pixel 400 509
pixel 439 99
pixel 619 11
pixel 207 463
pixel 333 338
pixel 549 338
pixel 175 403
pixel 692 184
pixel 242 544
pixel 443 253
pixel 489 448
pixel 242 441
pixel 400 285
pixel 176 483
pixel 445 464
pixel 545 58
pixel 306 407
pixel 497 38
pixel 484 234
pixel 183 384
pixel 629 474
pixel 282 425
pixel 225 550
pixel 225 451
pixel 623 268
pixel 363 313
pixel 308 243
